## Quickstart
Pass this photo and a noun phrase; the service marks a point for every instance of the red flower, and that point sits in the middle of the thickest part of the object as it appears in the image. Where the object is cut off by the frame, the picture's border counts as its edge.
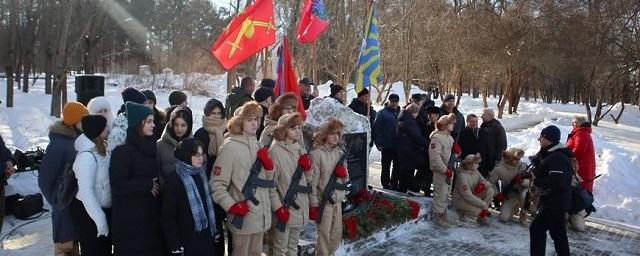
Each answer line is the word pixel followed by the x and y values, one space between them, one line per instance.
pixel 415 209
pixel 351 224
pixel 362 196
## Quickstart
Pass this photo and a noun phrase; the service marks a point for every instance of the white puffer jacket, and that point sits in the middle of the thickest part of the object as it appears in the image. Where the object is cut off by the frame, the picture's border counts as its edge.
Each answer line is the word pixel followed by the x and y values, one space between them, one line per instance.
pixel 94 188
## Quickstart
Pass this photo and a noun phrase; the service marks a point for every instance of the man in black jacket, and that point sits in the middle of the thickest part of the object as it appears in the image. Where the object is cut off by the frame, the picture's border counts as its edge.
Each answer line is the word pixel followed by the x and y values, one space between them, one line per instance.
pixel 553 183
pixel 448 107
pixel 468 140
pixel 384 136
pixel 492 140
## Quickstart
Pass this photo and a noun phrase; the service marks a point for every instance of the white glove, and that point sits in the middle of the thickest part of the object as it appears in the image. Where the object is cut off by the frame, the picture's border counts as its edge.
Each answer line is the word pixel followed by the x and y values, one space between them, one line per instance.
pixel 103 231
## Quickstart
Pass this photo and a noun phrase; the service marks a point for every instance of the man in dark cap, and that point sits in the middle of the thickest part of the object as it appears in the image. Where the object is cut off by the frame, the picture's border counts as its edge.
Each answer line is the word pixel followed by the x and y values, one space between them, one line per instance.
pixel 449 106
pixel 360 104
pixel 337 92
pixel 553 181
pixel 384 136
pixel 268 83
pixel 264 96
pixel 427 118
pixel 305 91
pixel 416 98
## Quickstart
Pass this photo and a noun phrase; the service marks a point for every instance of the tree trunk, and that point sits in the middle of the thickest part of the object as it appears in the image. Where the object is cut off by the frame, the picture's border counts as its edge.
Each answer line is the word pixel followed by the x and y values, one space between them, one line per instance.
pixel 11 55
pixel 58 97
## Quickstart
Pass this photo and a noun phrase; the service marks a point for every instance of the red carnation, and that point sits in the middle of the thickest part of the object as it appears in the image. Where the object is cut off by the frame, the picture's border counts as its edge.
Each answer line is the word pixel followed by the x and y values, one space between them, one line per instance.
pixel 350 223
pixel 415 209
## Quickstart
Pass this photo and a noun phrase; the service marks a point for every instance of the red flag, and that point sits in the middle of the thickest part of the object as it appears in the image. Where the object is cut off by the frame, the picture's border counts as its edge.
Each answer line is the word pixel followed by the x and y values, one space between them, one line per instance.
pixel 313 22
pixel 249 32
pixel 287 79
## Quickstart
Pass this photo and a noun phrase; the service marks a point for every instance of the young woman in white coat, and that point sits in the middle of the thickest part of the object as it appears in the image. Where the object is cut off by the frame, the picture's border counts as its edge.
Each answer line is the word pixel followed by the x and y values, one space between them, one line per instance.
pixel 91 210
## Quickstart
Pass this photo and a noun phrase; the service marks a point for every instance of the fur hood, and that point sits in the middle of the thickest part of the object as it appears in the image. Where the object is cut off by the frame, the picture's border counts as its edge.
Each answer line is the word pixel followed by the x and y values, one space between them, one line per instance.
pixel 58 128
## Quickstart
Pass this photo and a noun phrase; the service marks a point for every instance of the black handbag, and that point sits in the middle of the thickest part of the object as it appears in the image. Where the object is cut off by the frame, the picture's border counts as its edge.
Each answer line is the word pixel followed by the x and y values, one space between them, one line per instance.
pixel 66 188
pixel 28 206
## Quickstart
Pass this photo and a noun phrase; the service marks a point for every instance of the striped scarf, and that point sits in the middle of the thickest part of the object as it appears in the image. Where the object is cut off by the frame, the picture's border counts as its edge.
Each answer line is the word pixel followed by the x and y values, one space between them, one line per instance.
pixel 195 201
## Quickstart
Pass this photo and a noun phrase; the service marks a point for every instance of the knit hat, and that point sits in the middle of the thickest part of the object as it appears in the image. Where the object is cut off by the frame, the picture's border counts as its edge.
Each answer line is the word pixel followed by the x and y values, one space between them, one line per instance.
pixel 449 97
pixel 177 98
pixel 72 113
pixel 186 149
pixel 305 81
pixel 416 96
pixel 335 89
pixel 136 113
pixel 211 105
pixel 551 133
pixel 99 103
pixel 363 92
pixel 269 83
pixel 150 96
pixel 433 110
pixel 394 97
pixel 133 95
pixel 93 125
pixel 263 93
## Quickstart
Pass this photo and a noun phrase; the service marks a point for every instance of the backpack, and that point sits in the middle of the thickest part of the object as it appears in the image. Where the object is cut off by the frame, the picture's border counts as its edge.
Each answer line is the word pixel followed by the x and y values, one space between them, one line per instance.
pixel 67 185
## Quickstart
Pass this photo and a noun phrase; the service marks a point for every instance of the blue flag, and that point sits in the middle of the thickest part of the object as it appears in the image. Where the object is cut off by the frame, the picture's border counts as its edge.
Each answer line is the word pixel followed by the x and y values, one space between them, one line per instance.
pixel 368 69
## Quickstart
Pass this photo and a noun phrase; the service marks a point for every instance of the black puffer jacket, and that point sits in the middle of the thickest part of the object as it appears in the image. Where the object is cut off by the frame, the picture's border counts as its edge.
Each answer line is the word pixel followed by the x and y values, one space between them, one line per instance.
pixel 411 143
pixel 553 178
pixel 493 140
pixel 136 226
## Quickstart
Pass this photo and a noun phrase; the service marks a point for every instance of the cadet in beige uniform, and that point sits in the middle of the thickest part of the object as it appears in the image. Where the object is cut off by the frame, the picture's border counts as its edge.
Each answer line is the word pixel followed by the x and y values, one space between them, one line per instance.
pixel 507 171
pixel 230 172
pixel 472 193
pixel 325 156
pixel 439 154
pixel 285 104
pixel 287 154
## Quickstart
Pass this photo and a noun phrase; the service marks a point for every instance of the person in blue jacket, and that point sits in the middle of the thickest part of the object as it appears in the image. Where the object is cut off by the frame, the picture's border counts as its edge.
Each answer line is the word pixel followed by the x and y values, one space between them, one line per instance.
pixel 384 136
pixel 58 157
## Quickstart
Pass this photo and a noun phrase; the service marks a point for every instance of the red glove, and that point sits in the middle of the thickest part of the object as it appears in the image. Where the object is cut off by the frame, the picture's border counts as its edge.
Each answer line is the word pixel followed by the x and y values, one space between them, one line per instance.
pixel 240 208
pixel 340 171
pixel 314 212
pixel 479 189
pixel 282 214
pixel 263 156
pixel 517 179
pixel 500 197
pixel 449 173
pixel 456 149
pixel 305 162
pixel 484 213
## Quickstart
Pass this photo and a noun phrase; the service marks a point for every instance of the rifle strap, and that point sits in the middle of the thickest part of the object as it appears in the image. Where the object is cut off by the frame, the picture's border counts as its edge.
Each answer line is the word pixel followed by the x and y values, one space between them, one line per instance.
pixel 304 189
pixel 264 183
pixel 340 186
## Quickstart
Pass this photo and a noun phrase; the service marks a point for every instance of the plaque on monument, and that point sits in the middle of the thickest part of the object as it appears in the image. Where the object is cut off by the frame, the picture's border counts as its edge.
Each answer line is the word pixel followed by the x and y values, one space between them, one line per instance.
pixel 356 147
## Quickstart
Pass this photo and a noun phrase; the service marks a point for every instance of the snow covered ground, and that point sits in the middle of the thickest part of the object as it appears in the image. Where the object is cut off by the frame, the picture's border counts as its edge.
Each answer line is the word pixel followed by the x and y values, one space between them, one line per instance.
pixel 617 148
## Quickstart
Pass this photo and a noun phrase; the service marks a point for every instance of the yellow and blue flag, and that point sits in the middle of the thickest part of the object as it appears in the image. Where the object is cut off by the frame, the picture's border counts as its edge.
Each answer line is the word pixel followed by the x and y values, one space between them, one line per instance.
pixel 368 70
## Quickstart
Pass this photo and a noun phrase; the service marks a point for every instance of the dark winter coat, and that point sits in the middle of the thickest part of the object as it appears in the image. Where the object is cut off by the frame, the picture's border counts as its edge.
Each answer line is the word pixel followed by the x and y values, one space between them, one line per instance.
pixel 5 155
pixel 160 121
pixel 265 112
pixel 361 108
pixel 493 140
pixel 136 227
pixel 306 101
pixel 203 136
pixel 468 141
pixel 460 124
pixel 553 178
pixel 384 128
pixel 411 144
pixel 236 99
pixel 580 142
pixel 177 220
pixel 59 153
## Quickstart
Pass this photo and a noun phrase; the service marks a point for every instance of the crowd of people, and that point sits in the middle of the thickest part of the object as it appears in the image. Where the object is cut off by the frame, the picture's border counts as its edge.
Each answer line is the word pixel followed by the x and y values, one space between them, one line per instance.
pixel 148 185
pixel 430 150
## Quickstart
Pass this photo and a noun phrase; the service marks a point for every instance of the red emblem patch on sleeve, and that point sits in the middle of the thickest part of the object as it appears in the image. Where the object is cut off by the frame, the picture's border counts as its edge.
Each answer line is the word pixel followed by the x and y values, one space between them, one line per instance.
pixel 433 146
pixel 217 170
pixel 465 187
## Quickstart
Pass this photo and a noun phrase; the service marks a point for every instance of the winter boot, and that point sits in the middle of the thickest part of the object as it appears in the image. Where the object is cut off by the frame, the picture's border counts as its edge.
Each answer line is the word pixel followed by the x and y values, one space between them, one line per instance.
pixel 523 218
pixel 482 221
pixel 441 220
